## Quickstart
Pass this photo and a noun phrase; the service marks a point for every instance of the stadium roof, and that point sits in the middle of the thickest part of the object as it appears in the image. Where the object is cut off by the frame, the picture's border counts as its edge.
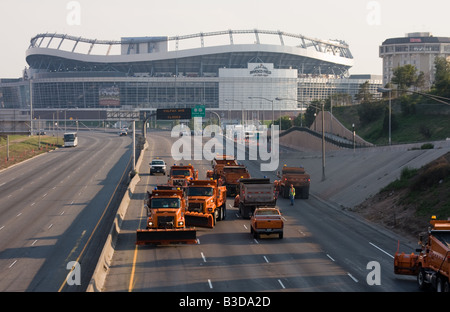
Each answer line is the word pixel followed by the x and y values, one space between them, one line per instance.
pixel 64 53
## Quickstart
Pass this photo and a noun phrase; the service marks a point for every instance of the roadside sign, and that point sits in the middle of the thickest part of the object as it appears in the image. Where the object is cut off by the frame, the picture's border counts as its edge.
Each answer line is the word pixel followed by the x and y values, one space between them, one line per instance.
pixel 198 111
pixel 173 113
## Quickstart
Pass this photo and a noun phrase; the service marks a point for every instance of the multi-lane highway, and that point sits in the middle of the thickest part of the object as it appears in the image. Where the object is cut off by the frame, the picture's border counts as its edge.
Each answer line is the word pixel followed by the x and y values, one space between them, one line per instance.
pixel 323 249
pixel 56 208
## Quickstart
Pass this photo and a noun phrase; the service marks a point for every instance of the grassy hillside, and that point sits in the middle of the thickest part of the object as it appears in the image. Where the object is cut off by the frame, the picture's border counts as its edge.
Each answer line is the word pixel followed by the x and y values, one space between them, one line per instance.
pixel 407 204
pixel 411 128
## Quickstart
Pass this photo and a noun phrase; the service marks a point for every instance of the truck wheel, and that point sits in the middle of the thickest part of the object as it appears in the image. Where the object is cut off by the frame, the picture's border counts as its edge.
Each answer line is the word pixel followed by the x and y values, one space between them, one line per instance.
pixel 280 235
pixel 421 279
pixel 446 287
pixel 439 284
pixel 224 211
pixel 305 193
pixel 285 193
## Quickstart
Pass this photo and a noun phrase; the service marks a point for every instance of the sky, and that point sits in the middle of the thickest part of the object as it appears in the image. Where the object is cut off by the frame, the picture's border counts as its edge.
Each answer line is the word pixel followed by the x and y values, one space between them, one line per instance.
pixel 363 24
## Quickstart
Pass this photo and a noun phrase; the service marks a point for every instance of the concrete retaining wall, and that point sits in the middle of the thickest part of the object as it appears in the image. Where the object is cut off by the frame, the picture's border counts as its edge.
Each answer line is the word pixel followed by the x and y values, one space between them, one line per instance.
pixel 102 268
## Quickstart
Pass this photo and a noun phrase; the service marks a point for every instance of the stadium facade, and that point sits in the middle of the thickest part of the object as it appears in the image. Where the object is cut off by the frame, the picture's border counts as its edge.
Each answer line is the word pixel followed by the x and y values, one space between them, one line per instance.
pixel 231 72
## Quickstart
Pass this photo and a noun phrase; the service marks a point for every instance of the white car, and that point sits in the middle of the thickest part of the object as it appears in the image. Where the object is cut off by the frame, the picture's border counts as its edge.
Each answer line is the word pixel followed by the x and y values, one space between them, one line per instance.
pixel 157 165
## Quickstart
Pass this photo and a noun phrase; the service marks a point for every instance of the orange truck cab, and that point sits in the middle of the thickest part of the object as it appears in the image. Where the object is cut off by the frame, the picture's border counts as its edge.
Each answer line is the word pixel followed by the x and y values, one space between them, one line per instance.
pixel 432 264
pixel 166 219
pixel 218 163
pixel 207 203
pixel 180 175
pixel 231 176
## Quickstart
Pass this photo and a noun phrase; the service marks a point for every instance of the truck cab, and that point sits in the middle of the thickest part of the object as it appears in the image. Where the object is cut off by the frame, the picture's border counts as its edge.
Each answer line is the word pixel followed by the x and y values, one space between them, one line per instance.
pixel 207 203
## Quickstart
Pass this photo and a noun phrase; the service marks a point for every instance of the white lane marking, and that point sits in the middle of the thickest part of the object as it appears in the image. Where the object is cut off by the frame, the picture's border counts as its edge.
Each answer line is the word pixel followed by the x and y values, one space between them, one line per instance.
pixel 256 241
pixel 351 276
pixel 330 258
pixel 381 250
pixel 245 227
pixel 210 284
pixel 203 256
pixel 279 281
pixel 11 265
pixel 266 259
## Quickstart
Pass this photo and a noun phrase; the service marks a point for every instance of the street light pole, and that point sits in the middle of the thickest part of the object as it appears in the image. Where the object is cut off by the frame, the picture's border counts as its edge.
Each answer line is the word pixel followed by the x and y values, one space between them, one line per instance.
pixel 262 98
pixel 433 97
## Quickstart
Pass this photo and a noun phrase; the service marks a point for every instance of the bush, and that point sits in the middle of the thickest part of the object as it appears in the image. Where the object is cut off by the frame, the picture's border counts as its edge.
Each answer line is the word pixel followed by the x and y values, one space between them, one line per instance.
pixel 431 176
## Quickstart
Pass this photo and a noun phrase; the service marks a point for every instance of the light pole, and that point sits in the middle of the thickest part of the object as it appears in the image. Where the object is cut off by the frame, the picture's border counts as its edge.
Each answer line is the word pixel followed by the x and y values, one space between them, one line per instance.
pixel 262 98
pixel 323 137
pixel 301 109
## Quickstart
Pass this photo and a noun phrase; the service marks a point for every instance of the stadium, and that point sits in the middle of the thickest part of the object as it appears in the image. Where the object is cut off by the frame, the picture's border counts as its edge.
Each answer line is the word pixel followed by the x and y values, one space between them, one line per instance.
pixel 235 73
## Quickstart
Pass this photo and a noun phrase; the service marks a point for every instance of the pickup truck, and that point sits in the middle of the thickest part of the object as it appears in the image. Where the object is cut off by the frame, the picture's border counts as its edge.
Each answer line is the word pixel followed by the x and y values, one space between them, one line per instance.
pixel 266 221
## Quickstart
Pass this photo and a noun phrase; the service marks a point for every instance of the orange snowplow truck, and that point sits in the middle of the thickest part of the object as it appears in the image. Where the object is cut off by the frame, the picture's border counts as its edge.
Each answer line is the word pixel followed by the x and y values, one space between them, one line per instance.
pixel 180 175
pixel 432 264
pixel 298 178
pixel 231 176
pixel 218 163
pixel 166 220
pixel 207 203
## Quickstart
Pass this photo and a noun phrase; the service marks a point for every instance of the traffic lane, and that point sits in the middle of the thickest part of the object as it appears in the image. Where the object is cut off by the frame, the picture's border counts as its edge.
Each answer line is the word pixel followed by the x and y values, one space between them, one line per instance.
pixel 45 219
pixel 239 262
pixel 347 238
pixel 85 236
pixel 27 205
pixel 352 244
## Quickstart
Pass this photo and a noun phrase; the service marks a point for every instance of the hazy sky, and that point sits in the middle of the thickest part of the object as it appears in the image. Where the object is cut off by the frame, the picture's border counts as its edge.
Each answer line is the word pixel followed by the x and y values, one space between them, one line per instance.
pixel 363 24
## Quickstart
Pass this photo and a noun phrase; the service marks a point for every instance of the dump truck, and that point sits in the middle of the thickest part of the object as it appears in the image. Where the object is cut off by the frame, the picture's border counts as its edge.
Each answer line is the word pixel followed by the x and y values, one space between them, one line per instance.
pixel 218 163
pixel 298 178
pixel 254 193
pixel 432 264
pixel 266 221
pixel 207 203
pixel 180 175
pixel 166 219
pixel 230 178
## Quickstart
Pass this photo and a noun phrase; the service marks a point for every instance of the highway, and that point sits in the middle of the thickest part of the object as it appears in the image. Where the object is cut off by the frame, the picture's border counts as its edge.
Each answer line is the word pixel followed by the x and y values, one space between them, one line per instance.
pixel 324 249
pixel 57 208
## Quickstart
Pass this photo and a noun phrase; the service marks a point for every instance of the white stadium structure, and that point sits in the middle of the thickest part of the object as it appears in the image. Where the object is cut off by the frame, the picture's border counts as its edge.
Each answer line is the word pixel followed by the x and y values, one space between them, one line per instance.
pixel 231 72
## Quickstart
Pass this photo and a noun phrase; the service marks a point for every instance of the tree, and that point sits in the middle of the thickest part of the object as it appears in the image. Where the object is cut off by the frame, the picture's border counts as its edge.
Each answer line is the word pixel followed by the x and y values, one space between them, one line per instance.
pixel 286 122
pixel 404 76
pixel 364 94
pixel 442 77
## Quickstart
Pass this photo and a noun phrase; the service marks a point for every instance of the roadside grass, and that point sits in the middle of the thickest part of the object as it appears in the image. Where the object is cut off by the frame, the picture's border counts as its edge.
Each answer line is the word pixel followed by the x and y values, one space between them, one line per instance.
pixel 426 189
pixel 25 147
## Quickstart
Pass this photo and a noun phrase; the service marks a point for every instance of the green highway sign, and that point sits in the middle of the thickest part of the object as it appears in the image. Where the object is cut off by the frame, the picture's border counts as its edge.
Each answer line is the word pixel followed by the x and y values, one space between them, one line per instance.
pixel 198 111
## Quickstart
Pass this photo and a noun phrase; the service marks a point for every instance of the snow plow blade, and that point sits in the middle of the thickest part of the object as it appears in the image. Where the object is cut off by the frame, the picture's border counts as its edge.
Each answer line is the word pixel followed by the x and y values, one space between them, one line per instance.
pixel 405 264
pixel 166 236
pixel 199 219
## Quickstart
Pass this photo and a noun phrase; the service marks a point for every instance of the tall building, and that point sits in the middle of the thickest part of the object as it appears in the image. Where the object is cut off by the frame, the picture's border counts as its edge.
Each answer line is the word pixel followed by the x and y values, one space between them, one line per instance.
pixel 418 49
pixel 260 72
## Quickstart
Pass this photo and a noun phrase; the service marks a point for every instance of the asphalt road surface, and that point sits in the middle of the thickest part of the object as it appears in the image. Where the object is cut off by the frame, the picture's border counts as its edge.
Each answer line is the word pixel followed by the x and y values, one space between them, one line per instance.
pixel 324 249
pixel 54 210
